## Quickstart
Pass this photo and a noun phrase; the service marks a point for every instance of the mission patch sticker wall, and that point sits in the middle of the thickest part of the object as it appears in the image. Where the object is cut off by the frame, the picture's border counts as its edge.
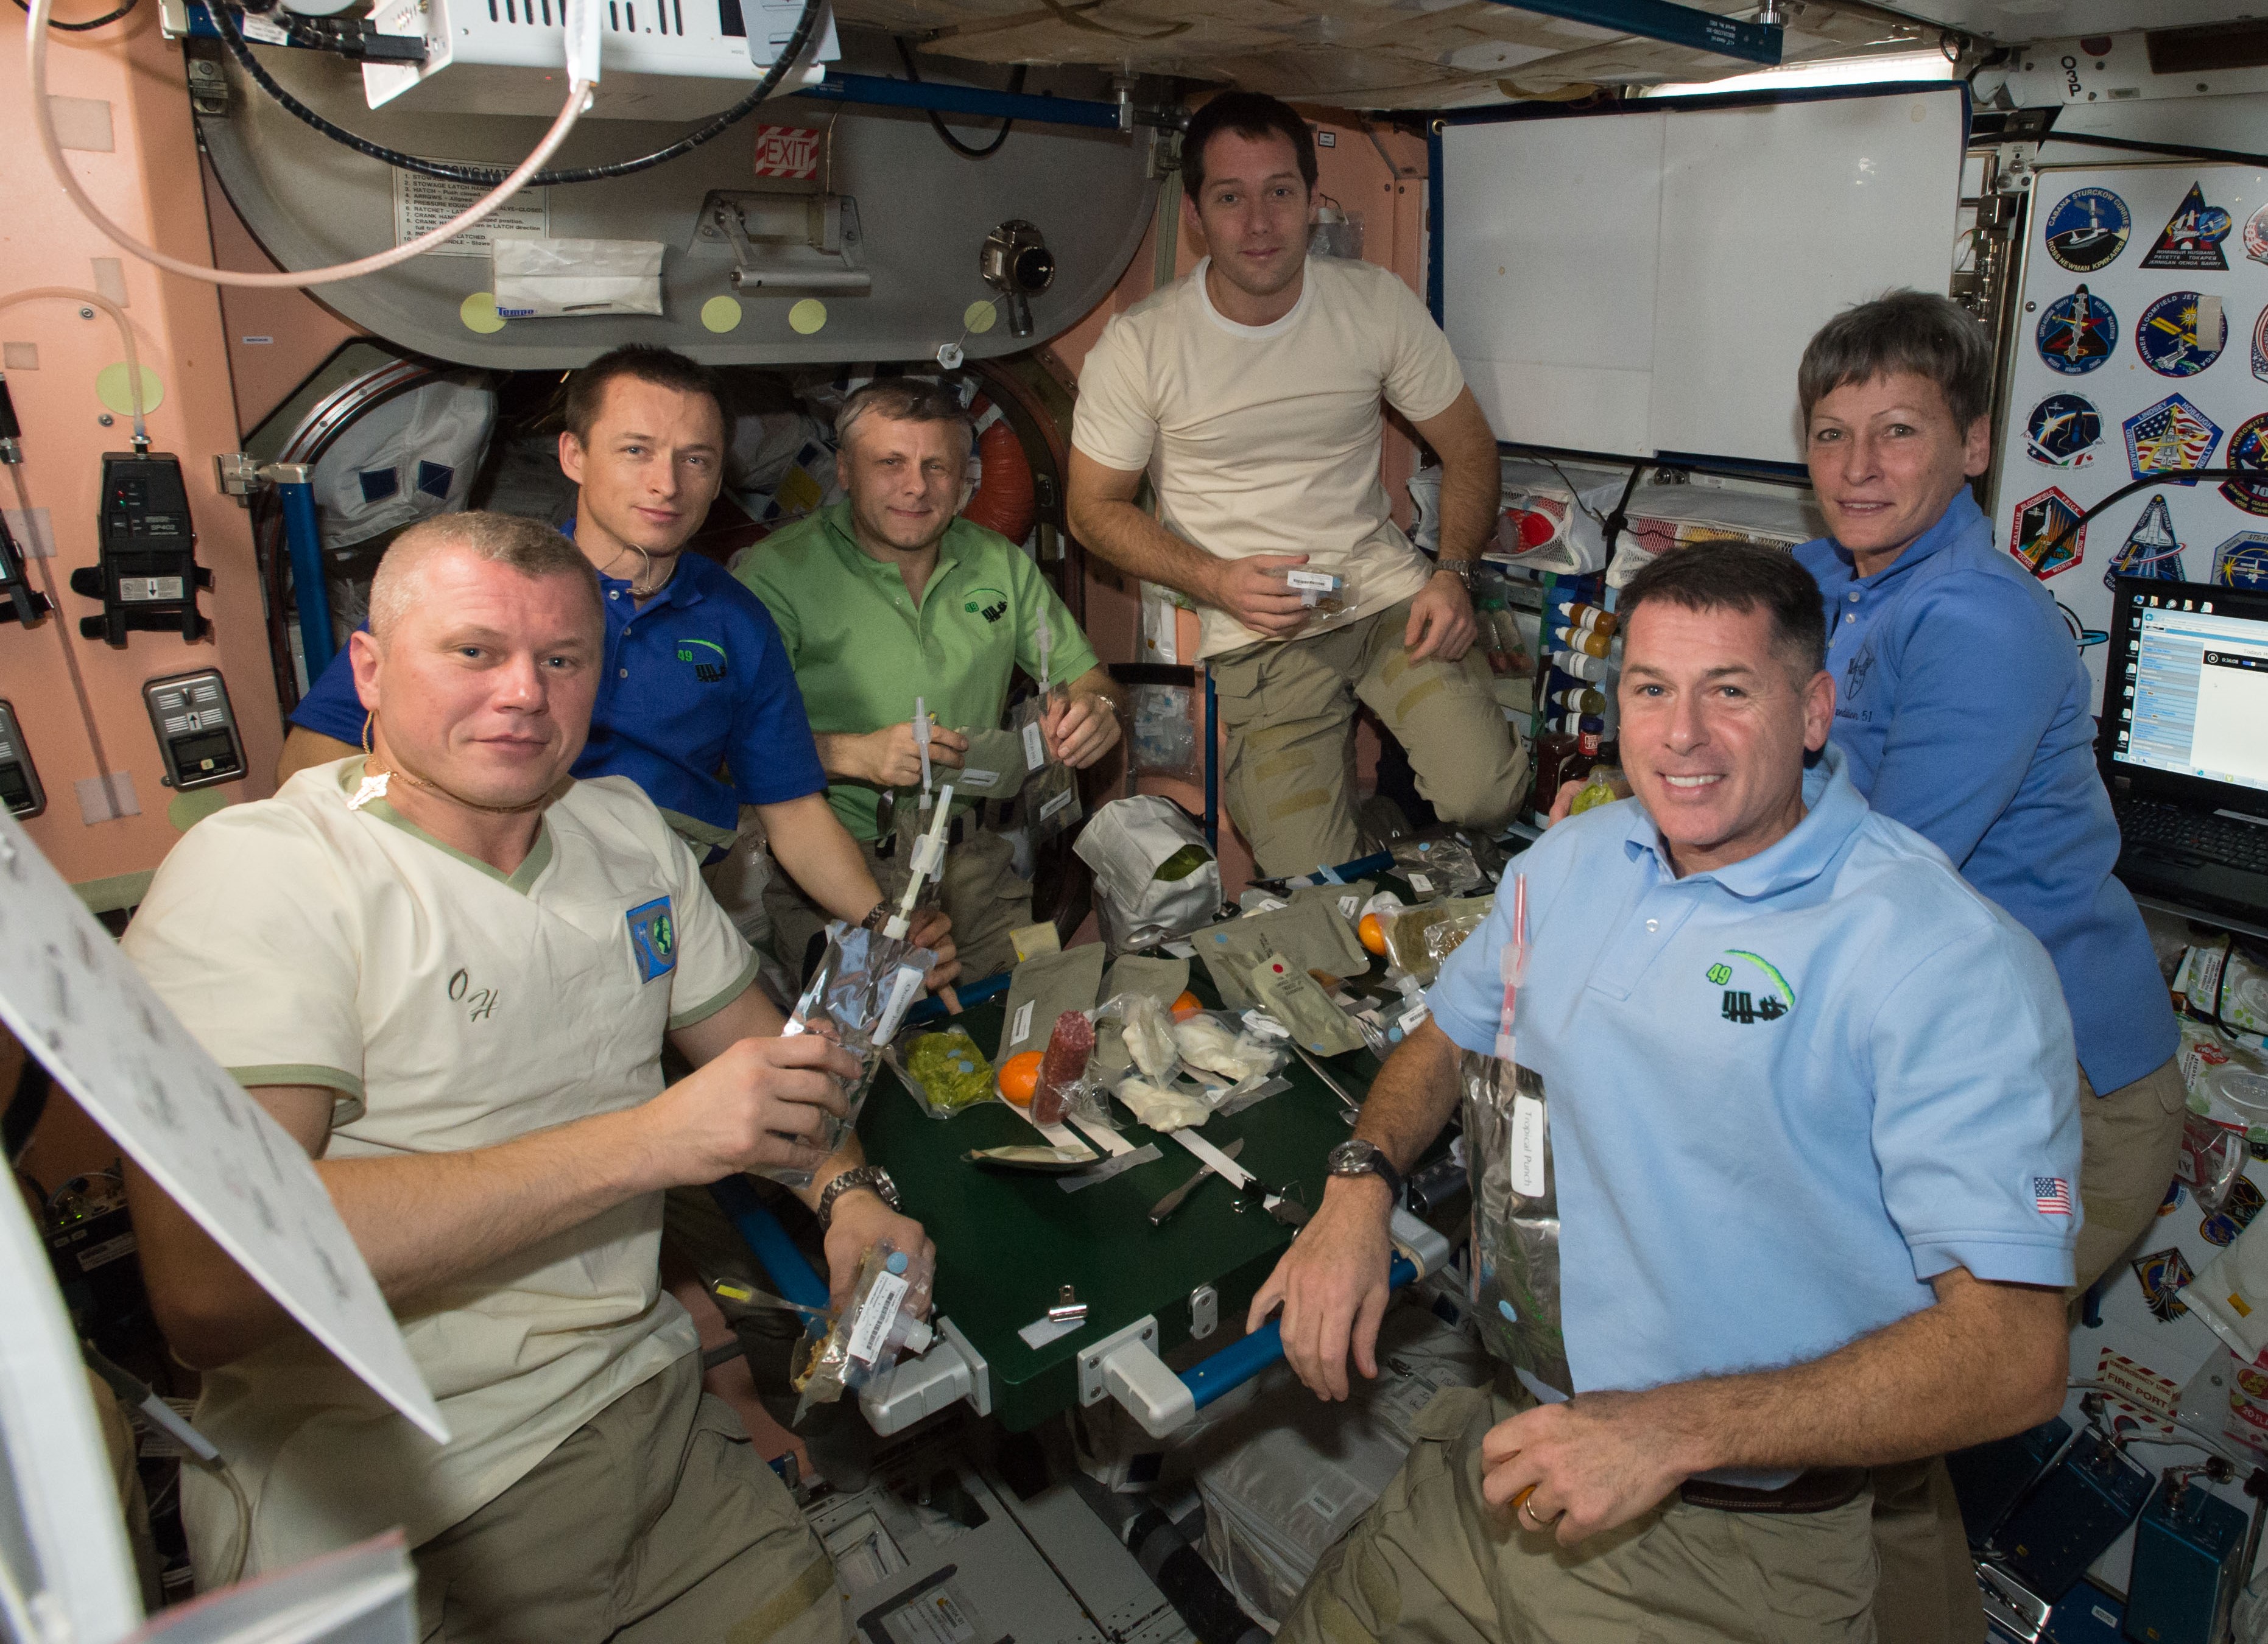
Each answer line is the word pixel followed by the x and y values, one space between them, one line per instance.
pixel 2043 539
pixel 2087 230
pixel 2181 333
pixel 2193 236
pixel 2151 549
pixel 2169 437
pixel 2063 431
pixel 2077 333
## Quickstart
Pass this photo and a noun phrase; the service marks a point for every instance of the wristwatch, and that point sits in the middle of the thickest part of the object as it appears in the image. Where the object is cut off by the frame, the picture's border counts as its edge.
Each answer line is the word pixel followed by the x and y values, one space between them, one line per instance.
pixel 1356 1157
pixel 1464 570
pixel 871 1177
pixel 876 916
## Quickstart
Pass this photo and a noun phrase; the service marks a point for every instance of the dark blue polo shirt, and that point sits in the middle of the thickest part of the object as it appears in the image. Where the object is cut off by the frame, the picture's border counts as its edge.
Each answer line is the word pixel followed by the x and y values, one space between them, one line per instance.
pixel 697 704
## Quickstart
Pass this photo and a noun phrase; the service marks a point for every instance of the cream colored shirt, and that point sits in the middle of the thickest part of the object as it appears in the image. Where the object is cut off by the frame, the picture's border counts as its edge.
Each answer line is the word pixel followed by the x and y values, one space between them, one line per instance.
pixel 1264 439
pixel 448 1007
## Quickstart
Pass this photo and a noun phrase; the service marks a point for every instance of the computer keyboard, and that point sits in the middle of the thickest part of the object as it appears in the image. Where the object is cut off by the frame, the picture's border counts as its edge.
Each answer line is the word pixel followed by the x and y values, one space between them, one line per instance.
pixel 2169 828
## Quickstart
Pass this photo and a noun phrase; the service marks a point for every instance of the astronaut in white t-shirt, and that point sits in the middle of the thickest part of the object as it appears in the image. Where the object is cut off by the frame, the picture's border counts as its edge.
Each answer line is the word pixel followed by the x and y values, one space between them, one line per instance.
pixel 1251 393
pixel 448 968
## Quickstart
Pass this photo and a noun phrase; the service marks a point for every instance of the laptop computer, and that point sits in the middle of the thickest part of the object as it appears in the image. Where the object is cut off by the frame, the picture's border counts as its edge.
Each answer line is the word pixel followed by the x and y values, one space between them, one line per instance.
pixel 2183 744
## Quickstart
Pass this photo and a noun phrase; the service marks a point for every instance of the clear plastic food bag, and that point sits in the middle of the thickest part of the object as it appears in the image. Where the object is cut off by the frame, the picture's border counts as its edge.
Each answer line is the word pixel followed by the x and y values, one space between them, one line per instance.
pixel 882 1319
pixel 1050 794
pixel 865 985
pixel 1438 867
pixel 1405 932
pixel 1207 1043
pixel 946 1071
pixel 1148 1031
pixel 1515 1218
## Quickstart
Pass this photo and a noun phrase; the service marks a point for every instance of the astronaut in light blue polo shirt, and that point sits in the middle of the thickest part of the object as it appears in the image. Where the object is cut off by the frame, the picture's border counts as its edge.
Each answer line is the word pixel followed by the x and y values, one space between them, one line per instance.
pixel 1812 1120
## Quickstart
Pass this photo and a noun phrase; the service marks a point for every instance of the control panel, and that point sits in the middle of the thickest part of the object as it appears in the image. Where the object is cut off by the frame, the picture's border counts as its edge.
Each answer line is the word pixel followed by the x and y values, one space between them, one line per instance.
pixel 147 577
pixel 195 729
pixel 19 779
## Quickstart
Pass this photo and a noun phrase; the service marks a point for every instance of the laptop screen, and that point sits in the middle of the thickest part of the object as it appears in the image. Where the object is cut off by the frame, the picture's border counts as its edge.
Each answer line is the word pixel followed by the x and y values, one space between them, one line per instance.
pixel 2189 683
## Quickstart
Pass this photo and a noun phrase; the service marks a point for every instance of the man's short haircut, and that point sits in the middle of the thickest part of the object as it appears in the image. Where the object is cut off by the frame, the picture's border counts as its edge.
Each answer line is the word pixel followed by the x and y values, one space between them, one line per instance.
pixel 1740 576
pixel 528 545
pixel 904 400
pixel 1896 332
pixel 1249 114
pixel 664 368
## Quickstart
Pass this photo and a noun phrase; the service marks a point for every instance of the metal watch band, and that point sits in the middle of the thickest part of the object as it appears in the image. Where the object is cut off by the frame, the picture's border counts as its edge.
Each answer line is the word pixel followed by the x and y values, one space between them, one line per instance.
pixel 873 1176
pixel 876 915
pixel 1463 570
pixel 1364 1158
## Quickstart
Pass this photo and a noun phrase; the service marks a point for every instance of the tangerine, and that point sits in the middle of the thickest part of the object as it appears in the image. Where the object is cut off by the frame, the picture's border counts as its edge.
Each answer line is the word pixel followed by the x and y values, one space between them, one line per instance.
pixel 1373 933
pixel 1019 1077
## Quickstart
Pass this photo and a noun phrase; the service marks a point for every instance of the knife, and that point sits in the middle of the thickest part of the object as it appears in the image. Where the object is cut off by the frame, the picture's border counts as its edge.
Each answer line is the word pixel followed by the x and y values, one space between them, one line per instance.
pixel 1171 1202
pixel 1349 1109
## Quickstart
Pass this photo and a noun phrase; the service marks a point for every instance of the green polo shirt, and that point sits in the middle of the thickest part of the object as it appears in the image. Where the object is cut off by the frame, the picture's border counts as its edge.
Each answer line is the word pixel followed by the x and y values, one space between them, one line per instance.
pixel 862 649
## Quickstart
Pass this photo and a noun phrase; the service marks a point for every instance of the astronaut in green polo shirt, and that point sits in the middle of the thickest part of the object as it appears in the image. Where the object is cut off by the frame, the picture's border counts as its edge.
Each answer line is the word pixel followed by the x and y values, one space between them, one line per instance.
pixel 888 595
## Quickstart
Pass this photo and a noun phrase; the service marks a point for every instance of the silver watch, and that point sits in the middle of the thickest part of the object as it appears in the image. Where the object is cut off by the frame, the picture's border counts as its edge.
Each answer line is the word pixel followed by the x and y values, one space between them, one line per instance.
pixel 871 1177
pixel 1466 572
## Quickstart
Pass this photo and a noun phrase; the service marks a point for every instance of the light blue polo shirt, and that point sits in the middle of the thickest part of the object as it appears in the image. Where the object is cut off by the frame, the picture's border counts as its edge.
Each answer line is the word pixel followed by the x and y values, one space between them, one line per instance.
pixel 1783 1093
pixel 1963 703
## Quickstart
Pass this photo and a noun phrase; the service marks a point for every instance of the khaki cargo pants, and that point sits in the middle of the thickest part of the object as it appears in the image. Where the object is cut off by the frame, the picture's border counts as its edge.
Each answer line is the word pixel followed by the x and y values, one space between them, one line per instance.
pixel 981 894
pixel 1289 706
pixel 1432 1563
pixel 654 1523
pixel 1928 1592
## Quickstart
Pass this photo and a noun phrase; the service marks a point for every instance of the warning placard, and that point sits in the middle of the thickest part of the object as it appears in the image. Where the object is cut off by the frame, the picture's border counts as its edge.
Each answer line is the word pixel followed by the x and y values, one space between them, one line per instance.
pixel 787 151
pixel 421 204
pixel 2138 1391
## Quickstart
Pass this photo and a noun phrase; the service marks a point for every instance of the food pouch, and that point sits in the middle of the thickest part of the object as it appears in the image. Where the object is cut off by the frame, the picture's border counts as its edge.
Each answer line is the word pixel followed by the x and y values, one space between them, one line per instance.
pixel 865 985
pixel 1050 794
pixel 1515 1219
pixel 883 1316
pixel 1436 867
pixel 2230 1293
pixel 1069 1047
pixel 2210 1160
pixel 1407 931
pixel 1298 1001
pixel 948 1070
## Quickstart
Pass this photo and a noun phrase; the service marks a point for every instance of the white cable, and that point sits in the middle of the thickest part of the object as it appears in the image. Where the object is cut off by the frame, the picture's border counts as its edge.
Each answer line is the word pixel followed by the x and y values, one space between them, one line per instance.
pixel 35 23
pixel 125 336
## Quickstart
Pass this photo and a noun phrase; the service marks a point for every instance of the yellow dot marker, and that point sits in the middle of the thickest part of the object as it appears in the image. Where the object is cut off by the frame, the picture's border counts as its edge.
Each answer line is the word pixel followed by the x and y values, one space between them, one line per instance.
pixel 478 312
pixel 721 313
pixel 112 387
pixel 979 318
pixel 807 316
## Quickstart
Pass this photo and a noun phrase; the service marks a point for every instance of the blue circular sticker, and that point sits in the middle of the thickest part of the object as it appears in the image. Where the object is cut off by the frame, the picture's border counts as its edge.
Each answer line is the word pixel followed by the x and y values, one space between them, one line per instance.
pixel 2062 431
pixel 2088 229
pixel 2181 333
pixel 2077 333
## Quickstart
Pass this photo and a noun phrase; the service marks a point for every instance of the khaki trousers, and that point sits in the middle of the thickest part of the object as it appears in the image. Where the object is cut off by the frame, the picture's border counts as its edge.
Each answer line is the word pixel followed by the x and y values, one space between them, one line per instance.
pixel 655 1523
pixel 1288 708
pixel 1432 1563
pixel 980 894
pixel 1928 1592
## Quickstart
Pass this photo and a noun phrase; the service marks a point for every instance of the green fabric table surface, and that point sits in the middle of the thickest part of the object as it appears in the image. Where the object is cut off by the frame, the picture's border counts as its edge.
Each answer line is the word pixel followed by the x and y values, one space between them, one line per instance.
pixel 1008 1242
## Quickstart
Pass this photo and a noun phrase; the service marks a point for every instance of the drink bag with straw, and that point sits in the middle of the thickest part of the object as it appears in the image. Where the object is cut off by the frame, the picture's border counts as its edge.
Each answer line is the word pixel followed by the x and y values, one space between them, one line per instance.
pixel 1516 1199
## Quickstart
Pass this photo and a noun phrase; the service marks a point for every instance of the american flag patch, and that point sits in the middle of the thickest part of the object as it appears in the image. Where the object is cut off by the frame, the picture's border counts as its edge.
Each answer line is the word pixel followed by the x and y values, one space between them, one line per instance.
pixel 2051 1195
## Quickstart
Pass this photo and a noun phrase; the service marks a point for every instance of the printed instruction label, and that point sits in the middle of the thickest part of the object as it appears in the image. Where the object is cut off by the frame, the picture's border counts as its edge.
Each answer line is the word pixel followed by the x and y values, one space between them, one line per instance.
pixel 874 1318
pixel 1057 803
pixel 1020 1029
pixel 982 782
pixel 1035 748
pixel 421 204
pixel 1528 1147
pixel 937 1617
pixel 903 987
pixel 1349 906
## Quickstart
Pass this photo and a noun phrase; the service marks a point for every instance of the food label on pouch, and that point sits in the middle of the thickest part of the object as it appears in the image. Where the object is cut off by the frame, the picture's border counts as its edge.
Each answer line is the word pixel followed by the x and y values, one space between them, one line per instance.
pixel 1035 746
pixel 1421 884
pixel 983 781
pixel 937 1617
pixel 1528 1147
pixel 1349 906
pixel 421 204
pixel 1057 804
pixel 874 1318
pixel 1020 1029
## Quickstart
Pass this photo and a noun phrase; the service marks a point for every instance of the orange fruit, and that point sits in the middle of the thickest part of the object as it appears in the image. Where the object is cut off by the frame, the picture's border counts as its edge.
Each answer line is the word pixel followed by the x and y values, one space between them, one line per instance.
pixel 1019 1077
pixel 1187 1006
pixel 1373 933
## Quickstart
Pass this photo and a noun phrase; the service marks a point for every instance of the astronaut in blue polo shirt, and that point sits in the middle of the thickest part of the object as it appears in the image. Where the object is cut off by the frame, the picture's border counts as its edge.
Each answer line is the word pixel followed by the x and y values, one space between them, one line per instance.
pixel 698 704
pixel 1811 1115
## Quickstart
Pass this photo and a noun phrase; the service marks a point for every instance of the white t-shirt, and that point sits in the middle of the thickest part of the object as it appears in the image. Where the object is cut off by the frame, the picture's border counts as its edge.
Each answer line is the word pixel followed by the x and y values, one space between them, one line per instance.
pixel 1264 439
pixel 449 1007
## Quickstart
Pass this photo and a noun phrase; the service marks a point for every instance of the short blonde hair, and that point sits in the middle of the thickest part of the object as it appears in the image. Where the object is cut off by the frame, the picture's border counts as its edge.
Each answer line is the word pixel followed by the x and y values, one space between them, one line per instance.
pixel 529 546
pixel 905 400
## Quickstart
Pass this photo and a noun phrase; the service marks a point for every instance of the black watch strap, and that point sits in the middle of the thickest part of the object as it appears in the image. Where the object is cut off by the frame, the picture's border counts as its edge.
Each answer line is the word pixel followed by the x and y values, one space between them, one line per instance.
pixel 1364 1158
